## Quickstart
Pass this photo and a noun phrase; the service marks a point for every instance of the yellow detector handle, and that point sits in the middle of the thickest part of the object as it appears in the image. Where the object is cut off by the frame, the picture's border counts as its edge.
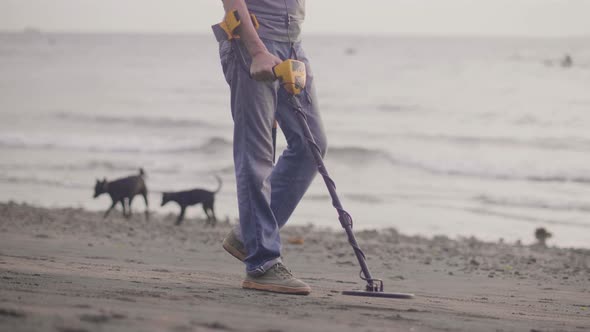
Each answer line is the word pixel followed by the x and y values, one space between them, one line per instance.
pixel 232 21
pixel 291 75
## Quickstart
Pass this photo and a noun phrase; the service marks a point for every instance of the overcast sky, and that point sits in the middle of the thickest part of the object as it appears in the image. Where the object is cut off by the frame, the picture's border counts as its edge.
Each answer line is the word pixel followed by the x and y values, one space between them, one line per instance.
pixel 438 17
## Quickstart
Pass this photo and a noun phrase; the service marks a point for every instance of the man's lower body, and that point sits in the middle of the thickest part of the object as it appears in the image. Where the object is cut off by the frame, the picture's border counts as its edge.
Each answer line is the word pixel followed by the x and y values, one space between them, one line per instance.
pixel 268 194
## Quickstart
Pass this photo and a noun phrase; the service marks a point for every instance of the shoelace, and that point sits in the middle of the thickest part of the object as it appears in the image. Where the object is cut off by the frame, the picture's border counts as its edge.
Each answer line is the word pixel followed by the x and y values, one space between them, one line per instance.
pixel 282 271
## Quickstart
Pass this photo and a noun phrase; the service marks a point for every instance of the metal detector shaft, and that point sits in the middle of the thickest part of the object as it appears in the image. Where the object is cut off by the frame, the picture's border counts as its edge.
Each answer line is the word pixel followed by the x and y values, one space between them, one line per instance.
pixel 343 216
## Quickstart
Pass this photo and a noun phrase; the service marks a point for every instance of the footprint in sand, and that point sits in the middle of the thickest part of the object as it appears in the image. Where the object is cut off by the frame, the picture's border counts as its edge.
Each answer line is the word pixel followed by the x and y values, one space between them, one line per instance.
pixel 71 329
pixel 101 317
pixel 216 326
pixel 95 318
pixel 14 313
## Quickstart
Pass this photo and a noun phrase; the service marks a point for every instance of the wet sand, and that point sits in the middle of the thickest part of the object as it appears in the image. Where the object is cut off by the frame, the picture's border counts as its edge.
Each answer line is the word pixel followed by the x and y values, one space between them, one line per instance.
pixel 69 270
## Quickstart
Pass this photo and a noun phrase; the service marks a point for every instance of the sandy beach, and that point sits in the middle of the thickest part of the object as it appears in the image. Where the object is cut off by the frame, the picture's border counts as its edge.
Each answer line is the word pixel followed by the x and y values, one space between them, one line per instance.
pixel 68 270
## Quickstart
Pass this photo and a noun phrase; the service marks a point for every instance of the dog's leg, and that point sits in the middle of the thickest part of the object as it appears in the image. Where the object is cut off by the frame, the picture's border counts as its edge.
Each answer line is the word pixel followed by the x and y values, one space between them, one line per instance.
pixel 181 215
pixel 208 208
pixel 123 205
pixel 109 209
pixel 129 206
pixel 205 209
pixel 147 213
pixel 212 207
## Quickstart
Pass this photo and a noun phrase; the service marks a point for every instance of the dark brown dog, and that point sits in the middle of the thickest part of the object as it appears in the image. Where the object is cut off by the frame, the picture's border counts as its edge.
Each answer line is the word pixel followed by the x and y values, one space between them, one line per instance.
pixel 123 191
pixel 192 197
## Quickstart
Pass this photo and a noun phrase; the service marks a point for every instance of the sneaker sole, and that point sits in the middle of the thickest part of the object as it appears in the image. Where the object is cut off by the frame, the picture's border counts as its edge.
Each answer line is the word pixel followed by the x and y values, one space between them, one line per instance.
pixel 233 251
pixel 276 288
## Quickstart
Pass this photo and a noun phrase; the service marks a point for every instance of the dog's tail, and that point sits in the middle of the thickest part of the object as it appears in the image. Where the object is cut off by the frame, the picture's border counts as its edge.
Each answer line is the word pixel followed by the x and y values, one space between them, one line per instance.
pixel 219 184
pixel 141 172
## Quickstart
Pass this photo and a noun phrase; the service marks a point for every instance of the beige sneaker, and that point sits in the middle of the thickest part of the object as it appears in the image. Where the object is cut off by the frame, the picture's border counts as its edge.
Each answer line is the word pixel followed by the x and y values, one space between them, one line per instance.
pixel 277 279
pixel 234 246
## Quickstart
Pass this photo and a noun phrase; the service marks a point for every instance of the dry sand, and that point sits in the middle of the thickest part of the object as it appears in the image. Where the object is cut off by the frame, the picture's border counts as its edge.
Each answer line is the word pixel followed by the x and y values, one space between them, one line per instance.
pixel 69 270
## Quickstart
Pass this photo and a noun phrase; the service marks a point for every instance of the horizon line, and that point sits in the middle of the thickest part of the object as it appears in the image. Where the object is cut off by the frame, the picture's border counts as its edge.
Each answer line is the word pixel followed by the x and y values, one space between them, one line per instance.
pixel 36 30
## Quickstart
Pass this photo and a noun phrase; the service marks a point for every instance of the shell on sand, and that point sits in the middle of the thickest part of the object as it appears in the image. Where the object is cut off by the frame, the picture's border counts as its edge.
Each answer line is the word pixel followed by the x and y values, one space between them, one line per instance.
pixel 298 240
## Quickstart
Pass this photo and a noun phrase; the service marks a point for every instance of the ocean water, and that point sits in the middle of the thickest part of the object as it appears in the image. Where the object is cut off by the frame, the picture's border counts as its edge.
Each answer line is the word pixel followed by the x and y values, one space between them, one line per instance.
pixel 455 136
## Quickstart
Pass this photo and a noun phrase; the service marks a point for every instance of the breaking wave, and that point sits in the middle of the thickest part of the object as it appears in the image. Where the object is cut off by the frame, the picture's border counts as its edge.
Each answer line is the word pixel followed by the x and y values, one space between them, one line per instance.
pixel 91 165
pixel 357 197
pixel 156 122
pixel 41 181
pixel 533 203
pixel 356 153
pixel 571 144
pixel 114 145
pixel 347 155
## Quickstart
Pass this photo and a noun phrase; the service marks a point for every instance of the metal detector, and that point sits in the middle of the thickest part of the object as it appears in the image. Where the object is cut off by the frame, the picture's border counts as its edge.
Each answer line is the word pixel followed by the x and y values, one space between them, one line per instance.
pixel 292 77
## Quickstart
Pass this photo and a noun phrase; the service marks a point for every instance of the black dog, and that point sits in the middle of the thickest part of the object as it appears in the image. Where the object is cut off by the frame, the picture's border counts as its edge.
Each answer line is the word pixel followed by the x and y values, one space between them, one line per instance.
pixel 192 197
pixel 122 191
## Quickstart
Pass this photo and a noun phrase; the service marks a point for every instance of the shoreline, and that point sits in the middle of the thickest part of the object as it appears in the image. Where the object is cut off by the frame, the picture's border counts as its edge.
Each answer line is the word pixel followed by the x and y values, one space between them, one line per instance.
pixel 67 269
pixel 99 206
